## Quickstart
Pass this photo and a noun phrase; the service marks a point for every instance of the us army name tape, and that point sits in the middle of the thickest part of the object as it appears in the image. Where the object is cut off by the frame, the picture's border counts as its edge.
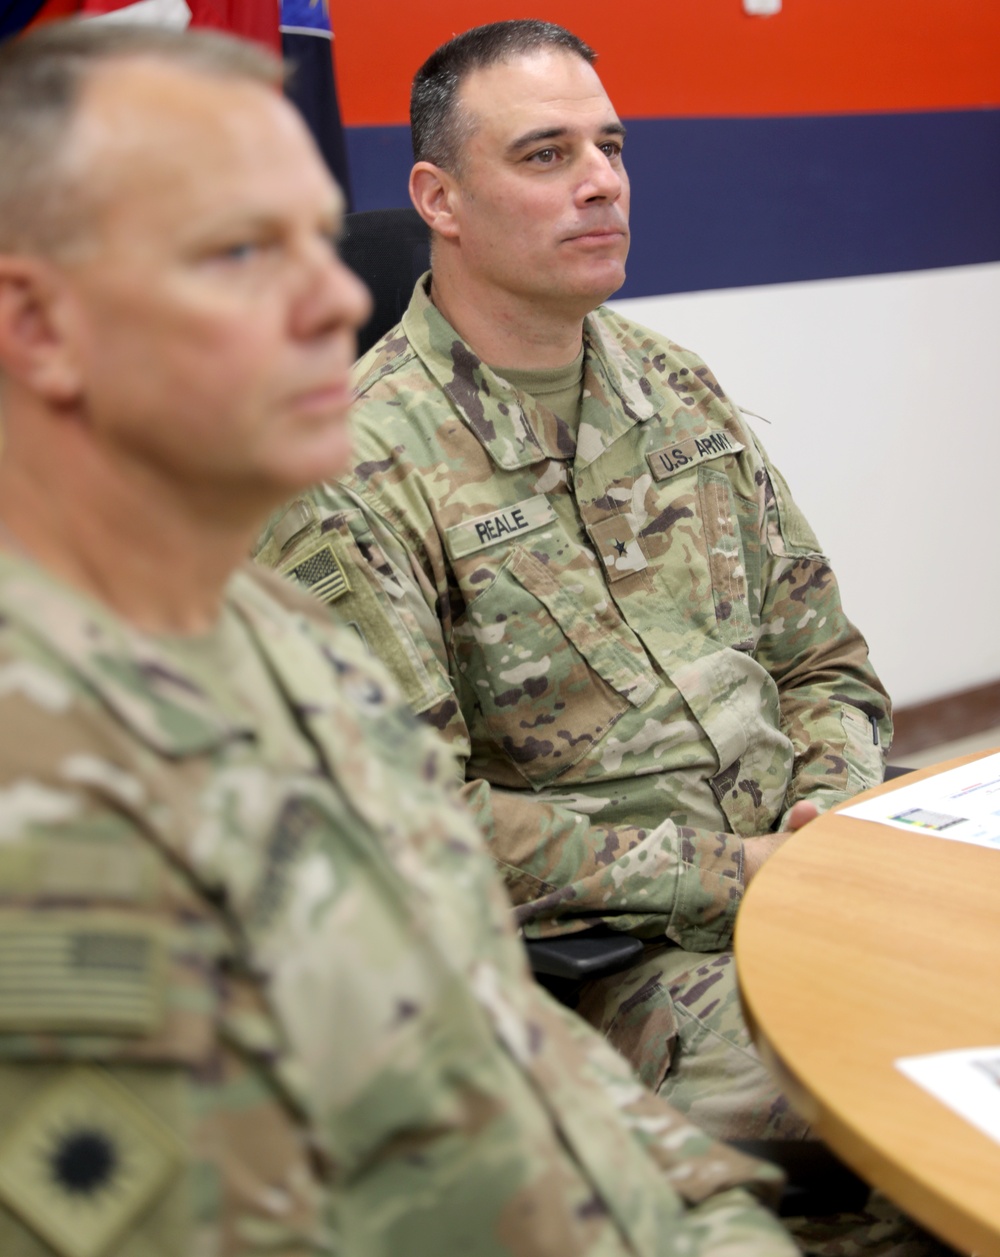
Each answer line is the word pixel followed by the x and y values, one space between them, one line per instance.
pixel 671 459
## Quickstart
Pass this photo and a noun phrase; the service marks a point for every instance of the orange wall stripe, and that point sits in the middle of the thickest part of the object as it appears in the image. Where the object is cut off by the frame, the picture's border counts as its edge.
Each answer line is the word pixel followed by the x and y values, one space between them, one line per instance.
pixel 705 58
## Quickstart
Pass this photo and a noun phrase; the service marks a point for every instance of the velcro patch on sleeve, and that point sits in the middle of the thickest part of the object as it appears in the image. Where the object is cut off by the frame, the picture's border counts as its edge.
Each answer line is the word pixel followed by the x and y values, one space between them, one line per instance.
pixel 77 867
pixel 321 573
pixel 501 525
pixel 81 972
pixel 300 514
pixel 83 1160
pixel 671 459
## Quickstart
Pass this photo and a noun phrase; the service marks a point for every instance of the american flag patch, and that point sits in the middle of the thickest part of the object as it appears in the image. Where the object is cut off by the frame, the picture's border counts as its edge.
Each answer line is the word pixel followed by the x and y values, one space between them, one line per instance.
pixel 321 573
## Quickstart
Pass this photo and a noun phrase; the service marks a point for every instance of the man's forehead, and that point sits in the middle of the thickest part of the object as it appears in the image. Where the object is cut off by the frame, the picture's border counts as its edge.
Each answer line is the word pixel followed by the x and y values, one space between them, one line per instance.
pixel 145 125
pixel 546 78
pixel 128 97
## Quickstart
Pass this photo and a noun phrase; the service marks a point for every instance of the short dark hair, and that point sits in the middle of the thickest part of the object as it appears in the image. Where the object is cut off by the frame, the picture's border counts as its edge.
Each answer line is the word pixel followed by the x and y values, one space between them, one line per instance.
pixel 43 199
pixel 436 128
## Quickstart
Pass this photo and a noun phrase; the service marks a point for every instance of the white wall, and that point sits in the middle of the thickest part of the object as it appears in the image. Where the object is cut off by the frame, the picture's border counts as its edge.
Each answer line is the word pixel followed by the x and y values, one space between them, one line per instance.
pixel 884 399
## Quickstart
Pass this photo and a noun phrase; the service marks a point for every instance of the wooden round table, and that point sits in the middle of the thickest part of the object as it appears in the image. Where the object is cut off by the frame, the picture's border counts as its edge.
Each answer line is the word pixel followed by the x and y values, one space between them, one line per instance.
pixel 858 944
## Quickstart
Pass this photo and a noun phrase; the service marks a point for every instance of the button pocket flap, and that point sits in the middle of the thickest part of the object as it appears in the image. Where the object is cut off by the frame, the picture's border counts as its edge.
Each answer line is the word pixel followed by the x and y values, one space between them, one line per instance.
pixel 622 664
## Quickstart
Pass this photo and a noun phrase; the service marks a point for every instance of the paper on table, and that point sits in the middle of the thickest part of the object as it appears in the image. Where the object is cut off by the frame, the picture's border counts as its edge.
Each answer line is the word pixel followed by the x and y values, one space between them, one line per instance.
pixel 966 1080
pixel 962 804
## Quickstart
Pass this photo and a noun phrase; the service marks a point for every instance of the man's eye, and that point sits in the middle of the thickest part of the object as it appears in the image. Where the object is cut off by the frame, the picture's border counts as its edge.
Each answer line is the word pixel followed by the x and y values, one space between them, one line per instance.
pixel 242 250
pixel 611 148
pixel 238 251
pixel 544 156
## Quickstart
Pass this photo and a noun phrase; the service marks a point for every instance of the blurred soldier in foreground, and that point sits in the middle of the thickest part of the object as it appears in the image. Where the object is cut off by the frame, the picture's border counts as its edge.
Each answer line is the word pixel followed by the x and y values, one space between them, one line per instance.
pixel 258 989
pixel 583 569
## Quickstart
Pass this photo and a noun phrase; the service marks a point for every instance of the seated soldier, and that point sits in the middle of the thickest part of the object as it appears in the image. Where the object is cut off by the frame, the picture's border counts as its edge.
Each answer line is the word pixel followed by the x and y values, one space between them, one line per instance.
pixel 259 992
pixel 561 536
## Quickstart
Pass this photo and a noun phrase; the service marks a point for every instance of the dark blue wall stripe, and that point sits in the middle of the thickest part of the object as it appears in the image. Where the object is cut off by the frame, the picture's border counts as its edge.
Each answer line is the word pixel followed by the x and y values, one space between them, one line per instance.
pixel 380 160
pixel 725 202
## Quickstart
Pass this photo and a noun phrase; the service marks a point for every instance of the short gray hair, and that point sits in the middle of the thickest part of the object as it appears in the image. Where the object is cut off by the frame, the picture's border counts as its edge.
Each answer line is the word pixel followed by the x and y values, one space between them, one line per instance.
pixel 42 77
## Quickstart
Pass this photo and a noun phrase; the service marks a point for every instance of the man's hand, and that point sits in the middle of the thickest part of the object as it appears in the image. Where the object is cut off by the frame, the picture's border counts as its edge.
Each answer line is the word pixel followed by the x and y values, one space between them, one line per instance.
pixel 757 850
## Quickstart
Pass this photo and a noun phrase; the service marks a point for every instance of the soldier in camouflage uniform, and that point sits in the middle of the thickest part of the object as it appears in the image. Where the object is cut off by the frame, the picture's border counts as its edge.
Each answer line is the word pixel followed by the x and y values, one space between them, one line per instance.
pixel 259 989
pixel 581 566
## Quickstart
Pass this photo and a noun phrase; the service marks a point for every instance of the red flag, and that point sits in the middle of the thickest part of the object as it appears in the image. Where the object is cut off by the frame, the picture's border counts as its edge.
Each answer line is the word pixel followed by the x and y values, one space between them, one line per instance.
pixel 253 19
pixel 154 12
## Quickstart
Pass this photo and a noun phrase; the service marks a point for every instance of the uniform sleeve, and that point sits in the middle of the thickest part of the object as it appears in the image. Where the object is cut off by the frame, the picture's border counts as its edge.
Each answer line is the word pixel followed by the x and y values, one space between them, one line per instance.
pixel 562 872
pixel 717 1194
pixel 834 709
pixel 136 1110
pixel 696 1165
pixel 724 1191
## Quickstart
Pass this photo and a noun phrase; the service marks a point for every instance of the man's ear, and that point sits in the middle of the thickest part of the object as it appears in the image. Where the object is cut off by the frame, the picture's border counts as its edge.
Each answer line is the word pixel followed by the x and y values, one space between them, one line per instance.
pixel 34 348
pixel 434 193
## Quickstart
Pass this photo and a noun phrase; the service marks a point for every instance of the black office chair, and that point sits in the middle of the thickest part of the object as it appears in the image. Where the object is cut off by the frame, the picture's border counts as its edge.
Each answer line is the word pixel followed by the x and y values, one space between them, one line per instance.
pixel 390 249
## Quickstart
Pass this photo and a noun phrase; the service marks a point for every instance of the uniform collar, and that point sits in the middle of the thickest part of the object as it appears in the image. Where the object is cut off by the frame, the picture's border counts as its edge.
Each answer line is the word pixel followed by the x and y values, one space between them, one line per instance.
pixel 132 673
pixel 514 429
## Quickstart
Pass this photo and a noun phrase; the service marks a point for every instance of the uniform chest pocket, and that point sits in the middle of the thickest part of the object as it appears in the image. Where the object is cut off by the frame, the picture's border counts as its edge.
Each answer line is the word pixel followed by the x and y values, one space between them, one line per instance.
pixel 550 666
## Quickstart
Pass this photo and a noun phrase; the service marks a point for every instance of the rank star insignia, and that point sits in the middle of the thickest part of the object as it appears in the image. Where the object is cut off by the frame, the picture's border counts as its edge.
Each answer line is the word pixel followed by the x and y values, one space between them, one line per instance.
pixel 83 1162
pixel 620 547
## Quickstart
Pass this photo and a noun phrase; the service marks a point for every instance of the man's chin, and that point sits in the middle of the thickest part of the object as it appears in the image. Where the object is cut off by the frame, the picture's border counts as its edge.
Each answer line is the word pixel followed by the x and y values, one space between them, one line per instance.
pixel 596 288
pixel 325 460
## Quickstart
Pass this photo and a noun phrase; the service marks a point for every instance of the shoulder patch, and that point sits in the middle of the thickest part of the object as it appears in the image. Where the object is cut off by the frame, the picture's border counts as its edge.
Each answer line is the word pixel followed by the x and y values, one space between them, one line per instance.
pixel 84 867
pixel 81 972
pixel 321 573
pixel 83 1160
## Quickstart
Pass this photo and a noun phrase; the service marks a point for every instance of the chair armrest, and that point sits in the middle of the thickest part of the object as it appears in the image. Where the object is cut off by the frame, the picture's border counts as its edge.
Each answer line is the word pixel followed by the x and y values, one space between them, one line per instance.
pixel 582 956
pixel 895 770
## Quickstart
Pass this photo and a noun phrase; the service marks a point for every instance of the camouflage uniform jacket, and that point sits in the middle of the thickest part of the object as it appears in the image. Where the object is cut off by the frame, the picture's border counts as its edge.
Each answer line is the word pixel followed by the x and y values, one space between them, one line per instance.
pixel 631 639
pixel 270 1002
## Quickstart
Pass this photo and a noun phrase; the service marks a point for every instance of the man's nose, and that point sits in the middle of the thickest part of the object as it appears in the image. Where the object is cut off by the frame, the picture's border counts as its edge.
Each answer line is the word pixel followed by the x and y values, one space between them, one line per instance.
pixel 332 295
pixel 603 180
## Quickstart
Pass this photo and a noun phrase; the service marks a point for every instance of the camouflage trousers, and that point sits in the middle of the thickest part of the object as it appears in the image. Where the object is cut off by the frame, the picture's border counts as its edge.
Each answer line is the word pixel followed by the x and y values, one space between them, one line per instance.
pixel 878 1230
pixel 675 1016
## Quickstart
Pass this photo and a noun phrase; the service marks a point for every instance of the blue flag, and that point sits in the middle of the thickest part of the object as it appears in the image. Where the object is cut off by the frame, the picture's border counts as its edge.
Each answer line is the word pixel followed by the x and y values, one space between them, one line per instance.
pixel 306 41
pixel 16 14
